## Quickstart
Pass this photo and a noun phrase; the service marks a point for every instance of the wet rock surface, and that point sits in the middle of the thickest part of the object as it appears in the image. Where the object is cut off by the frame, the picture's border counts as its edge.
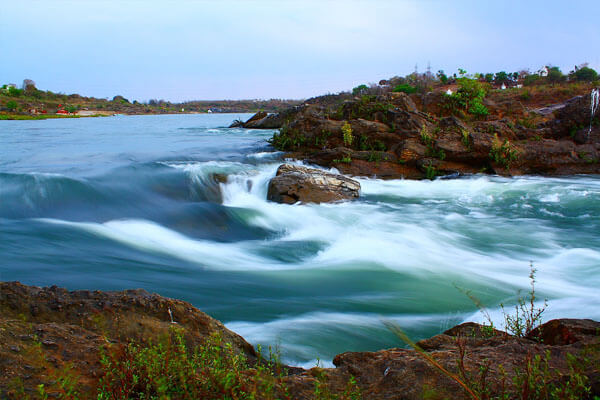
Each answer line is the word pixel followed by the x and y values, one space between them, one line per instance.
pixel 294 183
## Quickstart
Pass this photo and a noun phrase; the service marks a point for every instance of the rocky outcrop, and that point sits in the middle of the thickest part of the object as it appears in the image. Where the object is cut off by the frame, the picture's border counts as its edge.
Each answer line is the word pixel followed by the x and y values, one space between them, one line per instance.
pixel 489 356
pixel 73 326
pixel 263 120
pixel 395 135
pixel 69 328
pixel 294 183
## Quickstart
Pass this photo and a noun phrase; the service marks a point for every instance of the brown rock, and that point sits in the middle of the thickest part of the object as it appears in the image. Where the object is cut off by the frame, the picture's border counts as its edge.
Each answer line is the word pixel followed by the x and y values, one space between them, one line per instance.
pixel 308 185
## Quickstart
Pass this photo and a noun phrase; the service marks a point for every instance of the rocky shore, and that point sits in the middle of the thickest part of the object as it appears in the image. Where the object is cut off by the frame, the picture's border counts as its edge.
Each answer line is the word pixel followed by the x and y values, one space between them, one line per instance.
pixel 44 329
pixel 395 135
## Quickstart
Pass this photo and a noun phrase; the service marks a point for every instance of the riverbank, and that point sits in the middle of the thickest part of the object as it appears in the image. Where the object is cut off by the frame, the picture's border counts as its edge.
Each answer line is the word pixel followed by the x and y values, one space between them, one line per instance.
pixel 32 117
pixel 68 341
pixel 466 128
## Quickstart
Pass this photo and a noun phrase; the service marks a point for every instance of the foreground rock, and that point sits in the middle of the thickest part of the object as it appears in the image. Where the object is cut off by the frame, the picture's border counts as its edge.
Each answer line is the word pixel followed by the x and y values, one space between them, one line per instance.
pixel 404 374
pixel 294 183
pixel 72 326
pixel 65 328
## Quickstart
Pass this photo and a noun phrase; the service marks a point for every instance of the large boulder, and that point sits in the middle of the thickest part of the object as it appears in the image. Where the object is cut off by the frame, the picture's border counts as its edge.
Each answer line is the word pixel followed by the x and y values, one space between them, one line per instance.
pixel 294 183
pixel 264 120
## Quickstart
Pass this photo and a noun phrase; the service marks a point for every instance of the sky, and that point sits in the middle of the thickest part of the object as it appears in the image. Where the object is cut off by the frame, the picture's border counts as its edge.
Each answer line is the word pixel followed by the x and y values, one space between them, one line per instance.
pixel 186 50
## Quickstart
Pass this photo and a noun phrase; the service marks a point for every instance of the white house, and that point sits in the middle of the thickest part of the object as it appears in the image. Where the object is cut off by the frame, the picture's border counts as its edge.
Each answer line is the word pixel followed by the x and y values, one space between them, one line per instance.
pixel 543 71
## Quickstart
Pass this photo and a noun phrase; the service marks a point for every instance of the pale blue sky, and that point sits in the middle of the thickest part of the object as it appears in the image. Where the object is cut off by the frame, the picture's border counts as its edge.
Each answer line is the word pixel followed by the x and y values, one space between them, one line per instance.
pixel 182 50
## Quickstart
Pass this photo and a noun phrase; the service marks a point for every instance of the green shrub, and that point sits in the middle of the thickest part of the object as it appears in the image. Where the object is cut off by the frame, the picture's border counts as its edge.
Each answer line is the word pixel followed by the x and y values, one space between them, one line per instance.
pixel 503 152
pixel 405 88
pixel 465 139
pixel 469 97
pixel 430 171
pixel 169 370
pixel 478 109
pixel 12 105
pixel 530 80
pixel 555 75
pixel 347 134
pixel 360 90
pixel 584 74
pixel 14 92
pixel 501 78
pixel 442 76
pixel 525 95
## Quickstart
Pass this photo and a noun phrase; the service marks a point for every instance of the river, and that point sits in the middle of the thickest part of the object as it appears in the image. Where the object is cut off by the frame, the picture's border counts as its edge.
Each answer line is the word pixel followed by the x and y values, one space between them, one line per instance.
pixel 176 205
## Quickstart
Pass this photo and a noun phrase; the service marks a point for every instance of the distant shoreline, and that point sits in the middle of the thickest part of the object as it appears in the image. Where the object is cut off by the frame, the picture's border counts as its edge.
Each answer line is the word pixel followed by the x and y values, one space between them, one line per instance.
pixel 39 117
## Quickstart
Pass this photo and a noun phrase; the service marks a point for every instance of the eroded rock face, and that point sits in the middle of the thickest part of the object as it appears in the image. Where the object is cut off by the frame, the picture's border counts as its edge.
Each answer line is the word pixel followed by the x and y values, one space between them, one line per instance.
pixel 294 183
pixel 404 374
pixel 73 326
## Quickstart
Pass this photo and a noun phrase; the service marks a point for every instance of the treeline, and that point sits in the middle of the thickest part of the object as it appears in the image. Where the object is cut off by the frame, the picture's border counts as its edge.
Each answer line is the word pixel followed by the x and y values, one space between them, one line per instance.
pixel 425 82
pixel 28 98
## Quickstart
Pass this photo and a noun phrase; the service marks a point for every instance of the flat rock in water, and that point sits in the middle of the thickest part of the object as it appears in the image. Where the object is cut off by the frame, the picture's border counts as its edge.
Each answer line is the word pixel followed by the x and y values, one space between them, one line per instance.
pixel 294 183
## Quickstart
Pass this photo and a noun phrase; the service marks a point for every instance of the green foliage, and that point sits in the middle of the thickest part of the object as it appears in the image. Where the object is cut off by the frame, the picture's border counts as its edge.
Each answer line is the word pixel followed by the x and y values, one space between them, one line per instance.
pixel 478 109
pixel 14 92
pixel 533 378
pixel 555 75
pixel 360 90
pixel 469 97
pixel 344 159
pixel 287 139
pixel 428 140
pixel 365 108
pixel 11 105
pixel 530 80
pixel 168 370
pixel 442 76
pixel 584 74
pixel 525 95
pixel 527 316
pixel 430 171
pixel 503 152
pixel 347 134
pixel 465 139
pixel 405 88
pixel 501 78
pixel 426 137
pixel 489 78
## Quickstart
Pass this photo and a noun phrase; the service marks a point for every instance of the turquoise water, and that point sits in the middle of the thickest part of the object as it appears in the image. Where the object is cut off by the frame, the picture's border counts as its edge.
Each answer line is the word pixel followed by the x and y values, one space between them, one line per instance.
pixel 140 202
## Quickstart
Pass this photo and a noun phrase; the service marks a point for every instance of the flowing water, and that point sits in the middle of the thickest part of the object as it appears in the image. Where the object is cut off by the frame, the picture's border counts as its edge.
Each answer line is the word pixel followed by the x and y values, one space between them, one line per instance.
pixel 176 205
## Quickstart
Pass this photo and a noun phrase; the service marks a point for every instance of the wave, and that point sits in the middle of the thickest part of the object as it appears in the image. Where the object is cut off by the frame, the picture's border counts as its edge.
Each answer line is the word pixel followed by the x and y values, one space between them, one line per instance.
pixel 303 337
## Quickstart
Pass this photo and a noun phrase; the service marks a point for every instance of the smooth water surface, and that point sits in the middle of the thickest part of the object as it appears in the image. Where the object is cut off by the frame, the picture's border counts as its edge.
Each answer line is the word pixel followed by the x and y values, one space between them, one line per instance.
pixel 176 205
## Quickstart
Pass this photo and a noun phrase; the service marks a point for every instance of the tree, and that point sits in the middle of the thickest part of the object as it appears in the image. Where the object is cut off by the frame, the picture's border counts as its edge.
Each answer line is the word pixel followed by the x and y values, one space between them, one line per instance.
pixel 360 90
pixel 489 78
pixel 584 74
pixel 501 78
pixel 12 105
pixel 555 75
pixel 442 76
pixel 120 99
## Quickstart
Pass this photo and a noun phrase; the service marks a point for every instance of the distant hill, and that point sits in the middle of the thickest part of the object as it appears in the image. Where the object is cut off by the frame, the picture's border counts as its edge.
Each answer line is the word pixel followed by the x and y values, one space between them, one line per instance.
pixel 30 100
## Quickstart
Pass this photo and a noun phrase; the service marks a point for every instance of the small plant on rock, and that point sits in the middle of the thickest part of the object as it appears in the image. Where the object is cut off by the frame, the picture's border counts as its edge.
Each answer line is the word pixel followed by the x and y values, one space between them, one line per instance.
pixel 527 316
pixel 347 134
pixel 465 139
pixel 503 152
